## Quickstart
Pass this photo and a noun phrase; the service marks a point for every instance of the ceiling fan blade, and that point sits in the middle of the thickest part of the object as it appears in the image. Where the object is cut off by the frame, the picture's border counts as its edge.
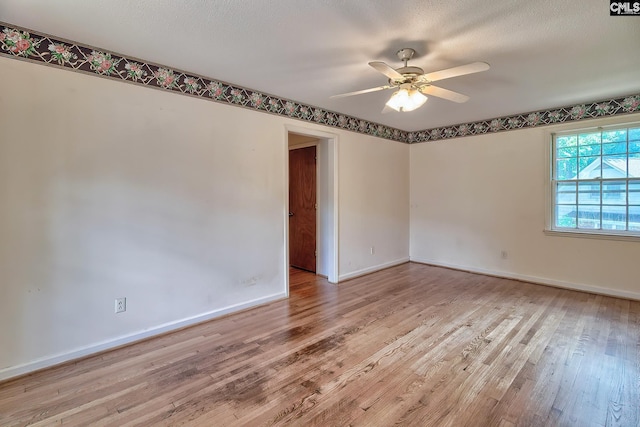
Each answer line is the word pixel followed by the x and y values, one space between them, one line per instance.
pixel 444 93
pixel 358 92
pixel 386 70
pixel 474 67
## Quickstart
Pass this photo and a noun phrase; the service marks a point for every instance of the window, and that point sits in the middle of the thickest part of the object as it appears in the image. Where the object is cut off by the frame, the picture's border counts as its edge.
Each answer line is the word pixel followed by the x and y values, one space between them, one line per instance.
pixel 596 180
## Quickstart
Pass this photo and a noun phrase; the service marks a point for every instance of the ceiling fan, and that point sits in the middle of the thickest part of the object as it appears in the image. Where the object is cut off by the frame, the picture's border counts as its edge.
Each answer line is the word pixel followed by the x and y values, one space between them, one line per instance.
pixel 413 84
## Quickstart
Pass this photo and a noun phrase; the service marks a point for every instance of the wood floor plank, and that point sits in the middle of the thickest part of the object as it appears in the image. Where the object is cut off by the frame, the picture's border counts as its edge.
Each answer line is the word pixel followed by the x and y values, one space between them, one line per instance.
pixel 410 345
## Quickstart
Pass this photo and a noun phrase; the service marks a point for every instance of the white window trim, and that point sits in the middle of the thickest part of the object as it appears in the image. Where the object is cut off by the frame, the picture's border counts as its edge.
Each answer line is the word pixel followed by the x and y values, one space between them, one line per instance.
pixel 549 228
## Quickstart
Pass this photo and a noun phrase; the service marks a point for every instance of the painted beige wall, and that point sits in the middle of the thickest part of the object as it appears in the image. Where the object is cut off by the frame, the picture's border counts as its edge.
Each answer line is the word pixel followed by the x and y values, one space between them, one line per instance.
pixel 114 190
pixel 474 197
pixel 374 205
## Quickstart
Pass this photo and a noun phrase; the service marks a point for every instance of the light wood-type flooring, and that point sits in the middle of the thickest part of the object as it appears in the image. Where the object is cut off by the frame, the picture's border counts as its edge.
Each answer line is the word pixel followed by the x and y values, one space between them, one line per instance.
pixel 410 345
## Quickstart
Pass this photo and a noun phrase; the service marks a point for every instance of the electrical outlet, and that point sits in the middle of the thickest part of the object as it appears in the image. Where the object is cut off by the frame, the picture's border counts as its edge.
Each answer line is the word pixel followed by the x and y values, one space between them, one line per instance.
pixel 121 305
pixel 504 255
pixel 373 250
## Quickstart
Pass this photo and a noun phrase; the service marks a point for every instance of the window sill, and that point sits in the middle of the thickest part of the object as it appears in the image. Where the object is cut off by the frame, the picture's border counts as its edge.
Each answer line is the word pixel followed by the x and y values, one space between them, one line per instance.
pixel 593 235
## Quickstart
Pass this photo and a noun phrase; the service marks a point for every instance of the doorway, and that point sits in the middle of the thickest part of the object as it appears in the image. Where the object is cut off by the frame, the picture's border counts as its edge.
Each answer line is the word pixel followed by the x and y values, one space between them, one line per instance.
pixel 325 207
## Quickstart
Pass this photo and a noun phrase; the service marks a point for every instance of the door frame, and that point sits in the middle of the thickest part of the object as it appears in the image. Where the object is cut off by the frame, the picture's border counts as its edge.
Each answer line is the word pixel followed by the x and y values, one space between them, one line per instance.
pixel 327 243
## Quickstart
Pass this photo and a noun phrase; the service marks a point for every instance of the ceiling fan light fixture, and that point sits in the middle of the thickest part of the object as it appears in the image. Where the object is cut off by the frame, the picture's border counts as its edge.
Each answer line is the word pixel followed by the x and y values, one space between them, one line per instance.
pixel 406 99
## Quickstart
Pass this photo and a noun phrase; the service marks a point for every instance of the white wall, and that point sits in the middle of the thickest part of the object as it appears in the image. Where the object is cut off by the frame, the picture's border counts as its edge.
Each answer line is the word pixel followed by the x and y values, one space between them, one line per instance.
pixel 474 197
pixel 115 190
pixel 374 205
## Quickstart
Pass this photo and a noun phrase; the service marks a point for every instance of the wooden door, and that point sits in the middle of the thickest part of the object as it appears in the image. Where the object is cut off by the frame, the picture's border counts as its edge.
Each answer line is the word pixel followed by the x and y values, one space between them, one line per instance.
pixel 302 208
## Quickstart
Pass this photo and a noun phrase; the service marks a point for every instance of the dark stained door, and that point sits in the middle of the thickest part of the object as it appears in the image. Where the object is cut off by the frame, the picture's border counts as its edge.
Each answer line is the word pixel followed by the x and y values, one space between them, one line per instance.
pixel 302 208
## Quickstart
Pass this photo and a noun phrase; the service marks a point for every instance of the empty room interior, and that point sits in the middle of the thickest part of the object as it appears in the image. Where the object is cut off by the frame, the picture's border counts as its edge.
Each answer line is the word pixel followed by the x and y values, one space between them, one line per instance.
pixel 331 213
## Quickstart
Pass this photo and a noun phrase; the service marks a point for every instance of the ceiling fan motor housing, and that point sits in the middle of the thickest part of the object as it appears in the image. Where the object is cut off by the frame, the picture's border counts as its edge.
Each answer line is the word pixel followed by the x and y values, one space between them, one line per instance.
pixel 409 74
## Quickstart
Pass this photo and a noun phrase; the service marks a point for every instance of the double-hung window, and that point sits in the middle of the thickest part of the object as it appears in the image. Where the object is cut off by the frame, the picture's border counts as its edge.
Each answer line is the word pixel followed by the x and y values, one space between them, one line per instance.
pixel 596 180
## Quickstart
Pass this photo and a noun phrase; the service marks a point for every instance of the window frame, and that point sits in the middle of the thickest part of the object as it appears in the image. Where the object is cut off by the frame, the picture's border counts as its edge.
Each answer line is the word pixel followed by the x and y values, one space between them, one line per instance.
pixel 551 193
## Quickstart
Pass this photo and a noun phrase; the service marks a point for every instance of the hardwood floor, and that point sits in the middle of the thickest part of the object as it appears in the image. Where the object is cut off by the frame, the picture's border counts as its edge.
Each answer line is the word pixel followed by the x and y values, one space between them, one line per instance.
pixel 410 345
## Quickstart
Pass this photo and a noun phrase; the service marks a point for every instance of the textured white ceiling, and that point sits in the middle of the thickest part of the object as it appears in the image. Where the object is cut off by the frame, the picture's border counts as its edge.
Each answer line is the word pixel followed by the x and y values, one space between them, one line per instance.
pixel 543 54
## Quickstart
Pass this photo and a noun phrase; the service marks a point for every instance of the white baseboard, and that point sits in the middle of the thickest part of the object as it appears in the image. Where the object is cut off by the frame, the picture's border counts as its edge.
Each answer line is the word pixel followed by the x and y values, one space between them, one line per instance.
pixel 535 279
pixel 49 361
pixel 373 269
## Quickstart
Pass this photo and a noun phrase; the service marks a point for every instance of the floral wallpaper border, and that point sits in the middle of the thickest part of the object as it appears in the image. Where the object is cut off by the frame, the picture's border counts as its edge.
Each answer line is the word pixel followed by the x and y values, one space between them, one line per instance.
pixel 26 44
pixel 611 107
pixel 21 43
